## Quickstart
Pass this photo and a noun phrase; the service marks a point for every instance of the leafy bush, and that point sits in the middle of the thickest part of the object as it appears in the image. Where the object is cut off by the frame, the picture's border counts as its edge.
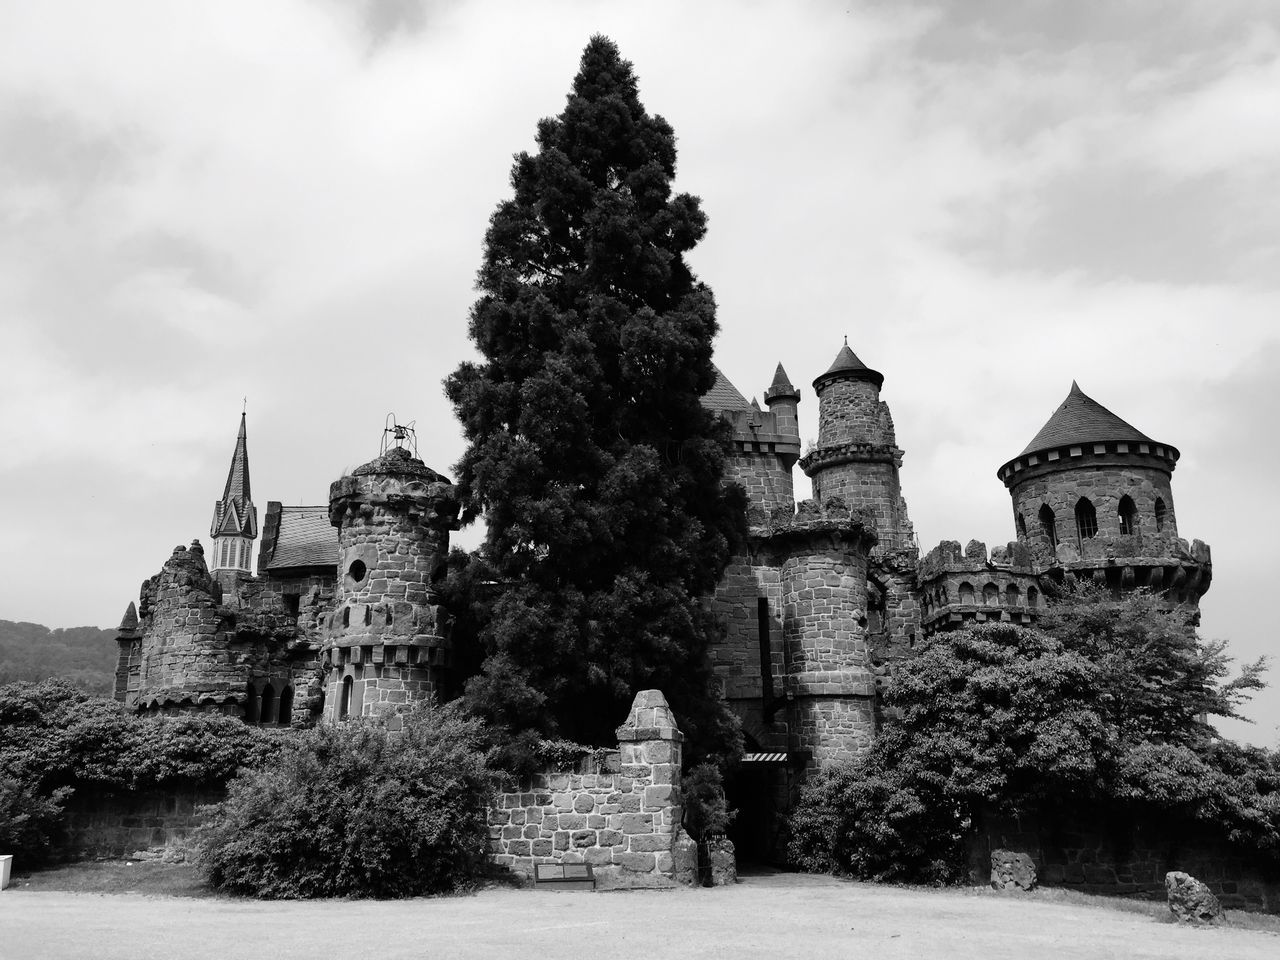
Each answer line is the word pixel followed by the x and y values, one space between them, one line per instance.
pixel 1100 709
pixel 56 739
pixel 706 811
pixel 353 810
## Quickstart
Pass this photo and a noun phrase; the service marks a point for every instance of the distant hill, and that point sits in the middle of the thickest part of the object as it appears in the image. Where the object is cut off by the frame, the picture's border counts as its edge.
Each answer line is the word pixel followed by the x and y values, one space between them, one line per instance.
pixel 84 655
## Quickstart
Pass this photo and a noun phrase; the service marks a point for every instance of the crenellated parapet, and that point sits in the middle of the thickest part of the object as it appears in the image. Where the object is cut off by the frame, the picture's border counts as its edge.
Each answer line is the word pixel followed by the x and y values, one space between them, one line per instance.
pixel 959 587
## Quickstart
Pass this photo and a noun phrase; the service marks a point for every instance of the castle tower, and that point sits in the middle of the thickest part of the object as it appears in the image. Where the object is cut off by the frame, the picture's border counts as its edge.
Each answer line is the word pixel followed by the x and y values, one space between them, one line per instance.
pixel 829 679
pixel 235 518
pixel 765 446
pixel 384 645
pixel 857 457
pixel 1092 495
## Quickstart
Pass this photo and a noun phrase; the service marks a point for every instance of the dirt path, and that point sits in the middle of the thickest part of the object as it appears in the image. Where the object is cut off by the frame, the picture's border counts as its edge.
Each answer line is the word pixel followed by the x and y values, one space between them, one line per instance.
pixel 773 917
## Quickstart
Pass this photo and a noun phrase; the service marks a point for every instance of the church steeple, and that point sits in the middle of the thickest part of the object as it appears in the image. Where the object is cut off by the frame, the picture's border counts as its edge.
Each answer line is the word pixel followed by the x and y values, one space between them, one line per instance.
pixel 235 518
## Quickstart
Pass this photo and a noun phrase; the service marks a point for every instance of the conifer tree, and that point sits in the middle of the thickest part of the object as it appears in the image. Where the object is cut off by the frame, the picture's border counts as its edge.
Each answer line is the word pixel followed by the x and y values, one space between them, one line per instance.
pixel 597 470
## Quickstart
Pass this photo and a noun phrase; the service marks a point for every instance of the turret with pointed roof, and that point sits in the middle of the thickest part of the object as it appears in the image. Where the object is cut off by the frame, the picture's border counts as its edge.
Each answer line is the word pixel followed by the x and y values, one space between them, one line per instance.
pixel 857 456
pixel 1093 494
pixel 235 518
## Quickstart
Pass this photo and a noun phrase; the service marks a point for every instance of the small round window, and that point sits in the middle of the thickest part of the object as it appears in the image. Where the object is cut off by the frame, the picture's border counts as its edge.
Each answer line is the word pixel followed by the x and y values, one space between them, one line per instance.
pixel 357 570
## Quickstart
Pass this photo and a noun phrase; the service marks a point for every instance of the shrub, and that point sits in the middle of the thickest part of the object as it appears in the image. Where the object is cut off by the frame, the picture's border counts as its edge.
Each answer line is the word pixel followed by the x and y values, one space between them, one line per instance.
pixel 56 739
pixel 353 810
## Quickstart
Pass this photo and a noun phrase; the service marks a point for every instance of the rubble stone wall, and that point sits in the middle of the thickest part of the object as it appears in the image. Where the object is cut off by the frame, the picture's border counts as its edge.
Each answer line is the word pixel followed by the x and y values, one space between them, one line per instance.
pixel 622 819
pixel 124 824
pixel 1115 855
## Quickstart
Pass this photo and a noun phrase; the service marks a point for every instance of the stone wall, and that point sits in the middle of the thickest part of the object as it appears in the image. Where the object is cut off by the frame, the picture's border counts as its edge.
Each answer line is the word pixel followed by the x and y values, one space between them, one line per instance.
pixel 961 587
pixel 623 819
pixel 115 825
pixel 1113 854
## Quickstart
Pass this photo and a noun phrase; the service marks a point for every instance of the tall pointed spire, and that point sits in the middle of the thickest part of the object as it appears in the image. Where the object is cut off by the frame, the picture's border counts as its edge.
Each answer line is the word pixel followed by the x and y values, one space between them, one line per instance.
pixel 238 476
pixel 235 518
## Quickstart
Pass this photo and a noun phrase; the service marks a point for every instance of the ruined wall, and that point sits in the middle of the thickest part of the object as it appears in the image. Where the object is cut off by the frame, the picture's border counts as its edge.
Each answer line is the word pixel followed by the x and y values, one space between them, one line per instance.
pixel 1106 852
pixel 623 819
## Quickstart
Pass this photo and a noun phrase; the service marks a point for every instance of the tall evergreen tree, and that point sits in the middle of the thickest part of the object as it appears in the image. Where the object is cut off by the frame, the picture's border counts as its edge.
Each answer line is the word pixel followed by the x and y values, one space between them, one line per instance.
pixel 598 471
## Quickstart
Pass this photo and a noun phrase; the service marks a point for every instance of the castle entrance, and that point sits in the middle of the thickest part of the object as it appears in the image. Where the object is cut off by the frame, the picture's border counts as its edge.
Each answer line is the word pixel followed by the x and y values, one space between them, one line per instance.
pixel 760 791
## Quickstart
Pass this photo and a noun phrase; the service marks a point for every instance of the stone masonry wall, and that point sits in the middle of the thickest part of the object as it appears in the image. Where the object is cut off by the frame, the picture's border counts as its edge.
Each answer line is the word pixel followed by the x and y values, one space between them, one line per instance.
pixel 851 411
pixel 766 478
pixel 622 820
pixel 1106 853
pixel 104 825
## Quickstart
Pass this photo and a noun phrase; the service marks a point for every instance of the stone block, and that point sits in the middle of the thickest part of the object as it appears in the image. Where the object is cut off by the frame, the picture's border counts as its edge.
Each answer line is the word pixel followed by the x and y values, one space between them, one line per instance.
pixel 1190 901
pixel 641 862
pixel 584 803
pixel 630 823
pixel 650 842
pixel 584 838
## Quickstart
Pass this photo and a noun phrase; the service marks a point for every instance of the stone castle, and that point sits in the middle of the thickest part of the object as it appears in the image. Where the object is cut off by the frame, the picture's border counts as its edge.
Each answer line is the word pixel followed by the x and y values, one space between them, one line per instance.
pixel 339 618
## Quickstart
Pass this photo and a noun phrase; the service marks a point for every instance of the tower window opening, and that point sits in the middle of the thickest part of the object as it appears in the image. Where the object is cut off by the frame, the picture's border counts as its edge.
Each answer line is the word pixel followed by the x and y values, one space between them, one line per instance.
pixel 357 570
pixel 966 593
pixel 1128 516
pixel 267 714
pixel 1160 513
pixel 1049 524
pixel 291 602
pixel 286 706
pixel 1022 527
pixel 1086 520
pixel 344 705
pixel 1012 595
pixel 346 616
pixel 250 704
pixel 1033 596
pixel 991 595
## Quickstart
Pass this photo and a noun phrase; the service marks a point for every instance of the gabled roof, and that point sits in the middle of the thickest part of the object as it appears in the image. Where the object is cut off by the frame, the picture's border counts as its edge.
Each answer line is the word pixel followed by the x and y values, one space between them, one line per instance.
pixel 723 395
pixel 306 539
pixel 847 366
pixel 1079 420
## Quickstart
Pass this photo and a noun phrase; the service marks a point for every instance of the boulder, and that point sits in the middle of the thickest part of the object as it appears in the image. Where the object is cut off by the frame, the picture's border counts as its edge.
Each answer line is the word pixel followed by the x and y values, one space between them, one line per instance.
pixel 1190 901
pixel 1011 870
pixel 724 864
pixel 684 859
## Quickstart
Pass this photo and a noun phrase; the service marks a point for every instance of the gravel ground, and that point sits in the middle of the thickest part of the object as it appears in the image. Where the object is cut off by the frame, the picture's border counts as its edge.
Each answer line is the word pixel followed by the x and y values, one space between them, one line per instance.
pixel 773 916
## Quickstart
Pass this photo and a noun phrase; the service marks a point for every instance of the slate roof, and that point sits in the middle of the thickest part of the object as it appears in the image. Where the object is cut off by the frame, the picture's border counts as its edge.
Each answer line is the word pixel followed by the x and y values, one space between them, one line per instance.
pixel 847 366
pixel 1079 420
pixel 306 539
pixel 723 395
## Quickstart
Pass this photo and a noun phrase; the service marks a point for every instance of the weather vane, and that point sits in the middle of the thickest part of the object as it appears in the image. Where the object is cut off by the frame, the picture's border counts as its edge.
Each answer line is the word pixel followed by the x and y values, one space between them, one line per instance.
pixel 398 436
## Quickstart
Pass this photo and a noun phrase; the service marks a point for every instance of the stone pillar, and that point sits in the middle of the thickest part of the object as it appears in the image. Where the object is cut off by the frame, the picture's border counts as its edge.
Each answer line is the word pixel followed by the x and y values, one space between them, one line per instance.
pixel 384 646
pixel 650 746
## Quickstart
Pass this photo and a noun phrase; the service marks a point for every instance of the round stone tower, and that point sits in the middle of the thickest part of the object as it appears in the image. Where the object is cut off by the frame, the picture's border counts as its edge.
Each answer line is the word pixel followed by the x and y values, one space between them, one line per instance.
pixel 857 457
pixel 830 682
pixel 384 646
pixel 1092 494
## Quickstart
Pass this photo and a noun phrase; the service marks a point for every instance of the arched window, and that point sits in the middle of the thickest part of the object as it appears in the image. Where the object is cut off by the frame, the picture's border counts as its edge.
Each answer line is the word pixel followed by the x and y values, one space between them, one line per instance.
pixel 1033 596
pixel 1128 516
pixel 1160 513
pixel 991 595
pixel 1022 527
pixel 1012 595
pixel 966 593
pixel 268 709
pixel 250 704
pixel 286 706
pixel 344 705
pixel 1049 524
pixel 1086 520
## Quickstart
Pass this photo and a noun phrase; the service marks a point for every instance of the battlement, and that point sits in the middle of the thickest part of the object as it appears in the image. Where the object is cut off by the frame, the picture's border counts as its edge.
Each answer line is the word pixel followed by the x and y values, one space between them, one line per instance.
pixel 959 587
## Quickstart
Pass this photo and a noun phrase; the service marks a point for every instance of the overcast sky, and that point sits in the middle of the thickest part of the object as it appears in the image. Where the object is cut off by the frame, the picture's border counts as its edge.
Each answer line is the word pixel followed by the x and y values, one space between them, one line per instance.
pixel 205 201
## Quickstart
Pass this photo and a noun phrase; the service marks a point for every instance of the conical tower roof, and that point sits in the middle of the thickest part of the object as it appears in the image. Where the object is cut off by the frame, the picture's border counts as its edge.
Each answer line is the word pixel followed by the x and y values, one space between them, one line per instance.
pixel 781 388
pixel 847 366
pixel 1080 419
